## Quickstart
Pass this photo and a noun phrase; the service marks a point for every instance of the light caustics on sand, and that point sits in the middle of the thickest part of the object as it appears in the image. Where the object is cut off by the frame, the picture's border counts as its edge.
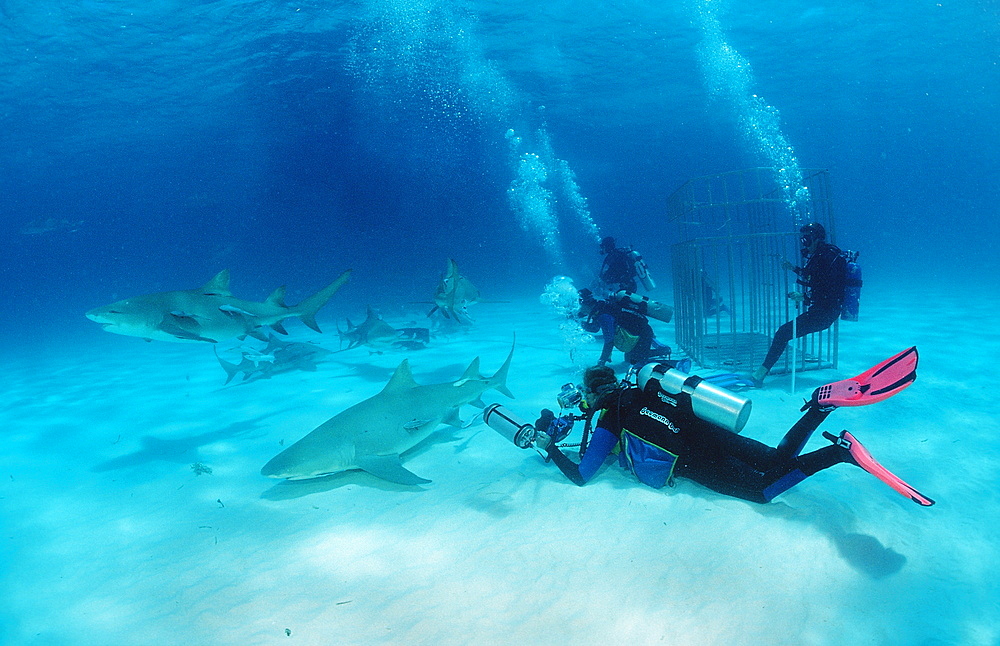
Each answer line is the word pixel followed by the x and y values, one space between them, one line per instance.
pixel 421 56
pixel 729 76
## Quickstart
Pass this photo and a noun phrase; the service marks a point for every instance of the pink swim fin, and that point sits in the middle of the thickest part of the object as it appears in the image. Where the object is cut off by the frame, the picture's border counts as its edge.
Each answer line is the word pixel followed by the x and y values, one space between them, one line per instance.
pixel 879 382
pixel 865 460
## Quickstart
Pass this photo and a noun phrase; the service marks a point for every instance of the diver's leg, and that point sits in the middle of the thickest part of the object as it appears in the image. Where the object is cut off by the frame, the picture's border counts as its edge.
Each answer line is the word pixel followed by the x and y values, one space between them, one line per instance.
pixel 812 320
pixel 781 339
pixel 800 432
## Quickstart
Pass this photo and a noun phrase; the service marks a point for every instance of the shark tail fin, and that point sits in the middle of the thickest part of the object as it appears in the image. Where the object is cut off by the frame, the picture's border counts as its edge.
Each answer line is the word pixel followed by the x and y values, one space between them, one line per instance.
pixel 306 310
pixel 231 368
pixel 499 380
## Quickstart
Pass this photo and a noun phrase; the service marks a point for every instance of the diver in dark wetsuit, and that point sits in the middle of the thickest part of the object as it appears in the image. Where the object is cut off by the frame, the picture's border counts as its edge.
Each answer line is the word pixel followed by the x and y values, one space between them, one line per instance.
pixel 623 326
pixel 661 438
pixel 824 279
pixel 673 424
pixel 618 270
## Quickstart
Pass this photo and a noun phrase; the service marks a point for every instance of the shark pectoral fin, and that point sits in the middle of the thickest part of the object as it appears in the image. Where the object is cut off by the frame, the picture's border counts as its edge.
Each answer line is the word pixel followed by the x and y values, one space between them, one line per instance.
pixel 257 334
pixel 478 402
pixel 181 317
pixel 279 328
pixel 452 419
pixel 388 468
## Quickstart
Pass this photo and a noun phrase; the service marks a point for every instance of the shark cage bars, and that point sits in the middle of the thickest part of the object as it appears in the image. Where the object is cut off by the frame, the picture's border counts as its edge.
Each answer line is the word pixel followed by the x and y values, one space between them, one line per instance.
pixel 730 290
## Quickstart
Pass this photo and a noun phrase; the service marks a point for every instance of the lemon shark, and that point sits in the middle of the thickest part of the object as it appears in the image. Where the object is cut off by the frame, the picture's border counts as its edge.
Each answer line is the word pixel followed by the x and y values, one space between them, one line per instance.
pixel 376 333
pixel 277 358
pixel 208 313
pixel 454 294
pixel 372 331
pixel 372 434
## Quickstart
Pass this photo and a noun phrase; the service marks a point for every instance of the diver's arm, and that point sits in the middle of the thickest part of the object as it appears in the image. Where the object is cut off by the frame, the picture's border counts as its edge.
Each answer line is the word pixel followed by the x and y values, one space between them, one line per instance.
pixel 598 450
pixel 607 323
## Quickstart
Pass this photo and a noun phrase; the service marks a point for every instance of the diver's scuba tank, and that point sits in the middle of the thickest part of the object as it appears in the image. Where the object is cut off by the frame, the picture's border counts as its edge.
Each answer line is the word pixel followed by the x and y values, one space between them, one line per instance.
pixel 710 402
pixel 654 309
pixel 852 288
pixel 641 270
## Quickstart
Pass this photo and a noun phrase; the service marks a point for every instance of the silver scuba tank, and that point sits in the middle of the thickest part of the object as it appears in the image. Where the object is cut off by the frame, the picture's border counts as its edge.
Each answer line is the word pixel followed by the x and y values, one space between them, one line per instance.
pixel 654 309
pixel 710 402
pixel 641 270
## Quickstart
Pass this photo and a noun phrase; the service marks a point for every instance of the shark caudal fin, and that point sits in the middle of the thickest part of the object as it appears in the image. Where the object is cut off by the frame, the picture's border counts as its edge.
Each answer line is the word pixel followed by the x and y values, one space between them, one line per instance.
pixel 881 381
pixel 499 380
pixel 306 310
pixel 231 368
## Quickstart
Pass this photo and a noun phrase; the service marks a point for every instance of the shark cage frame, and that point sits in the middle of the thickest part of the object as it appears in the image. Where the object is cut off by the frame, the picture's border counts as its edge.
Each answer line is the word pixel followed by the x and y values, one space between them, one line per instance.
pixel 730 291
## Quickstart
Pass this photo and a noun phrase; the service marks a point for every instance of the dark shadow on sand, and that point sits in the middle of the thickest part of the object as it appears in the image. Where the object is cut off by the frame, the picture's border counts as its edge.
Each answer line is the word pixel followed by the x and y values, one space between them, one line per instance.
pixel 291 489
pixel 179 450
pixel 865 553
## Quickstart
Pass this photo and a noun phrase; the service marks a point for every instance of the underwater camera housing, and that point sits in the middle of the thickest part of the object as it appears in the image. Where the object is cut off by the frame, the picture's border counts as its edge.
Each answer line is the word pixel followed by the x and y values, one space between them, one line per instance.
pixel 524 435
pixel 569 397
pixel 710 402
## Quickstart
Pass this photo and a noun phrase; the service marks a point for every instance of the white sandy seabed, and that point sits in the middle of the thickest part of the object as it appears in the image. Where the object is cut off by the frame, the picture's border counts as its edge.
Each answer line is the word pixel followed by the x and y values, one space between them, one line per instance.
pixel 111 537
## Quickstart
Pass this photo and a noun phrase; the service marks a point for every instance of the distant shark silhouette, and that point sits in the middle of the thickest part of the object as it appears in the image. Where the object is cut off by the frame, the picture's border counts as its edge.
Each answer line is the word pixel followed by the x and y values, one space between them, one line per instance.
pixel 277 358
pixel 454 294
pixel 50 225
pixel 376 333
pixel 209 313
pixel 372 434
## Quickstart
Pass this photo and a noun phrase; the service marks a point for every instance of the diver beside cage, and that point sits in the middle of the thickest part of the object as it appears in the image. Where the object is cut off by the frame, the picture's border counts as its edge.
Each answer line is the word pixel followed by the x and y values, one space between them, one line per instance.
pixel 622 320
pixel 829 279
pixel 673 425
pixel 622 267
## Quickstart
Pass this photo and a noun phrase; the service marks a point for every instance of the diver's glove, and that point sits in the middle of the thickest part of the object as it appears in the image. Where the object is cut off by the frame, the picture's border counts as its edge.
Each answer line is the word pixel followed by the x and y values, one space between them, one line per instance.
pixel 542 437
pixel 559 428
pixel 549 429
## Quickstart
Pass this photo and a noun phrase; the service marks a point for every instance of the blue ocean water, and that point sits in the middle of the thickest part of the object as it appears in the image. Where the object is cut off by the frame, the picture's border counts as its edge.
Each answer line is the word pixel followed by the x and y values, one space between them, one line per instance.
pixel 288 141
pixel 147 146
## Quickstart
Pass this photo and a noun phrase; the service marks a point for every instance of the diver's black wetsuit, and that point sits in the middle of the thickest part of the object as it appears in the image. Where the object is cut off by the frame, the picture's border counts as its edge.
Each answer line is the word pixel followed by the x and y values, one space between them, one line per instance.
pixel 708 454
pixel 824 278
pixel 618 271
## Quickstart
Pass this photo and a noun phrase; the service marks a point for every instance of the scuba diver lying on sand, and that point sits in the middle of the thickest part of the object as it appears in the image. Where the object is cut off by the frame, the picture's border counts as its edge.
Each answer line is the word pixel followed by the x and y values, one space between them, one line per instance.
pixel 673 425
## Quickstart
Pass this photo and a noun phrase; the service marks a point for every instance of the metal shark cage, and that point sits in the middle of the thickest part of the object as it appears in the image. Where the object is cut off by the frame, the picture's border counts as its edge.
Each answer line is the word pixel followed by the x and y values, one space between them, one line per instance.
pixel 730 290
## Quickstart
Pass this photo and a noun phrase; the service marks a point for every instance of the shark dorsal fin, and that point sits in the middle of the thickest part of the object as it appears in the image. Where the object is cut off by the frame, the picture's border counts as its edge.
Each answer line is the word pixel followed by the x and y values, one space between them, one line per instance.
pixel 401 379
pixel 472 372
pixel 218 286
pixel 277 297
